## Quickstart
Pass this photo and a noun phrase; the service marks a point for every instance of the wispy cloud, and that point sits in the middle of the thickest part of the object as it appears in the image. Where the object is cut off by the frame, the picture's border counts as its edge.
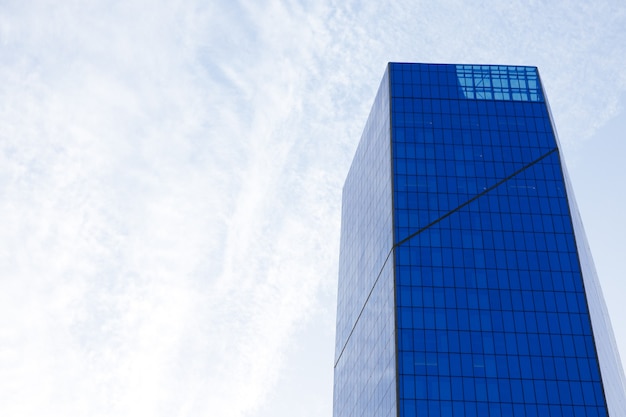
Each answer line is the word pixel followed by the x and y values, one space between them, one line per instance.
pixel 170 178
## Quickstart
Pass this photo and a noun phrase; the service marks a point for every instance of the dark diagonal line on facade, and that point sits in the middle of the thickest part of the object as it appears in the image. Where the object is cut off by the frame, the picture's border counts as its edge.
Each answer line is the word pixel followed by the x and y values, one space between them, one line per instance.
pixel 477 196
pixel 412 235
pixel 363 308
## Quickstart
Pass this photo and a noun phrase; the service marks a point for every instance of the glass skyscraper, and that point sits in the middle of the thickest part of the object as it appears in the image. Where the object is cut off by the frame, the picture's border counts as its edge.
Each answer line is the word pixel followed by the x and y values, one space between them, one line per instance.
pixel 466 286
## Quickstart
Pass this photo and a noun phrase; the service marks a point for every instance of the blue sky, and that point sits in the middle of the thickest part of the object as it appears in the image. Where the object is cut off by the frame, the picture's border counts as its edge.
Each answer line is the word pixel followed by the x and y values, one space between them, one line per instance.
pixel 171 173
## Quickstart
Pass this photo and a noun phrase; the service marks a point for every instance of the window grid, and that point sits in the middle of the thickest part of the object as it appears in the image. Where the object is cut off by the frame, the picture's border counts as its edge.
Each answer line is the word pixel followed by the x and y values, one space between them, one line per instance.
pixel 491 311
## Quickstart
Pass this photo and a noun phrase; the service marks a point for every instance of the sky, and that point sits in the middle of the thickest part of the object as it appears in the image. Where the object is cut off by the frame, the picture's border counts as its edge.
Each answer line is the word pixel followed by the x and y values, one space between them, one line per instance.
pixel 171 174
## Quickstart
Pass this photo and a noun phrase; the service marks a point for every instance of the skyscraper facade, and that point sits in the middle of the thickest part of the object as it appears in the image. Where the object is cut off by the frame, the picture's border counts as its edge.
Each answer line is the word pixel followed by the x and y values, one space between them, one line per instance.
pixel 466 286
